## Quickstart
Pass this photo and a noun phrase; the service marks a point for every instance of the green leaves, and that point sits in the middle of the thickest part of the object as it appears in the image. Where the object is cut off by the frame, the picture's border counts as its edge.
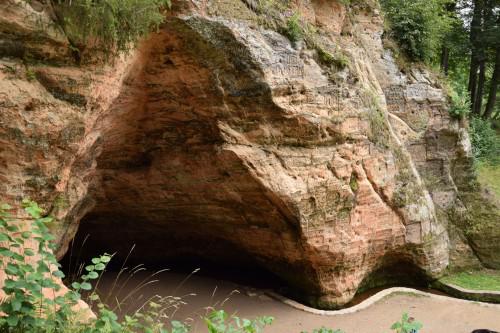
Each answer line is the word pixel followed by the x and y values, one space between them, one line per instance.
pixel 11 269
pixel 484 140
pixel 418 26
pixel 293 29
pixel 26 307
pixel 86 286
pixel 32 208
pixel 178 327
pixel 460 102
pixel 406 325
pixel 109 27
pixel 220 322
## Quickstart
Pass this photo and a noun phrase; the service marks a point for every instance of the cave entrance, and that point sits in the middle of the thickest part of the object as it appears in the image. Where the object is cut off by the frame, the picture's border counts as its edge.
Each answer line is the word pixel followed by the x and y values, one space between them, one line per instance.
pixel 156 248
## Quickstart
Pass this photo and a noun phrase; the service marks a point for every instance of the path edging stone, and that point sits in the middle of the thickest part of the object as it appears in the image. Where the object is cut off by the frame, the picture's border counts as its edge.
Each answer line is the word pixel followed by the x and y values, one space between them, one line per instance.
pixel 371 301
pixel 470 294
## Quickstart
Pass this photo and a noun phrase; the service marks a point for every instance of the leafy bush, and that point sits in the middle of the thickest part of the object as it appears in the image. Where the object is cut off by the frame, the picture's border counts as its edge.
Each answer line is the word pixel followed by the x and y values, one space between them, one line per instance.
pixel 25 303
pixel 460 103
pixel 418 26
pixel 108 26
pixel 406 325
pixel 221 322
pixel 485 141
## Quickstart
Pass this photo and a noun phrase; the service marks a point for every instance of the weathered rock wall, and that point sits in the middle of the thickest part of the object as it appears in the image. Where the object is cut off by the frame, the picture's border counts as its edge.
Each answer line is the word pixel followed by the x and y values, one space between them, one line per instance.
pixel 218 137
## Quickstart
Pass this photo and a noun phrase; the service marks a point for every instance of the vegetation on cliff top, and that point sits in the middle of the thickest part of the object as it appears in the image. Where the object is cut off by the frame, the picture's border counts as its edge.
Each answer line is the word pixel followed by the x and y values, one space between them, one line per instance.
pixel 108 27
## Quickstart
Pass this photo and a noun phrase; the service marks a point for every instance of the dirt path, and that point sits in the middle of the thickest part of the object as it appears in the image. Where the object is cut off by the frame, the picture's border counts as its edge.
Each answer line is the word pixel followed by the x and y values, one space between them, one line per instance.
pixel 438 315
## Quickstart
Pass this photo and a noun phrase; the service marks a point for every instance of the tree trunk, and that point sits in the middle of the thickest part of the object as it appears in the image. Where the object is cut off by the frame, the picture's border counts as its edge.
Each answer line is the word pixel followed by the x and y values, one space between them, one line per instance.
pixel 495 80
pixel 478 98
pixel 475 30
pixel 445 56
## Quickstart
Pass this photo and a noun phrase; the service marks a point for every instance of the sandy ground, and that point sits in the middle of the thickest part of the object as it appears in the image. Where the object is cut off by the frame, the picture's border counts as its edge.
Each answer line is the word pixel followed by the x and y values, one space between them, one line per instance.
pixel 437 315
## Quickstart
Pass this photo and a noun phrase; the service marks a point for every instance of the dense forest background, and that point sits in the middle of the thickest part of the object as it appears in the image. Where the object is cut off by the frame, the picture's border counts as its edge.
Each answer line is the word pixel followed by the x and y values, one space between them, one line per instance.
pixel 461 40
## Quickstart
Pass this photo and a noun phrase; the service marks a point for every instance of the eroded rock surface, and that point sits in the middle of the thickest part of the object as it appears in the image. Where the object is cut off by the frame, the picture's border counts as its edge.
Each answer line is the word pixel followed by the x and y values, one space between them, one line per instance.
pixel 219 138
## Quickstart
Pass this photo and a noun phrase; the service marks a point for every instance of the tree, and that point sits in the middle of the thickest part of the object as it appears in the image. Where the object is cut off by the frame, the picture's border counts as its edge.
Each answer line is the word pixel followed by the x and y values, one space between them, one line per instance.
pixel 493 87
pixel 475 60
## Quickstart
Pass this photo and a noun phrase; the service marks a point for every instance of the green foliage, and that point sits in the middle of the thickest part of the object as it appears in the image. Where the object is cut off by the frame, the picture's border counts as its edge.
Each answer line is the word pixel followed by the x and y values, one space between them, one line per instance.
pixel 30 74
pixel 353 183
pixel 338 59
pixel 25 302
pixel 33 272
pixel 406 325
pixel 221 322
pixel 379 131
pixel 460 102
pixel 485 141
pixel 293 29
pixel 418 26
pixel 108 26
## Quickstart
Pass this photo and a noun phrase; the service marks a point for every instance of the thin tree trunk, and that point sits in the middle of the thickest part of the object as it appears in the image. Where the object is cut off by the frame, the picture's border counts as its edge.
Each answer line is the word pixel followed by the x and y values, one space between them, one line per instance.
pixel 478 98
pixel 475 29
pixel 495 80
pixel 474 65
pixel 445 56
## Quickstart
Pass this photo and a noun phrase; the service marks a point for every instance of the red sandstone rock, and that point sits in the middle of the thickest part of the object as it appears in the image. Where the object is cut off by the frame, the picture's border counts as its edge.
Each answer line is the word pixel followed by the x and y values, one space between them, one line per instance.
pixel 217 138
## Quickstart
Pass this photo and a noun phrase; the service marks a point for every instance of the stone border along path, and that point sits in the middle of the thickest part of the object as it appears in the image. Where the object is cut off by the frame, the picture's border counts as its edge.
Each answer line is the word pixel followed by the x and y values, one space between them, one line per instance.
pixel 470 294
pixel 370 301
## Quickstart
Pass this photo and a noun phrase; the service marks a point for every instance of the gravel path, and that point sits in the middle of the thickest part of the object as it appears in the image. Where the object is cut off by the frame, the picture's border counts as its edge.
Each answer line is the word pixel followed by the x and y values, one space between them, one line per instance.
pixel 437 313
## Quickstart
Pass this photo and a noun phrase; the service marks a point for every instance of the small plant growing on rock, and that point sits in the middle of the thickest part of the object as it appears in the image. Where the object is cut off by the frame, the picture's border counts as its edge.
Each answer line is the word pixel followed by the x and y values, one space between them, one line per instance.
pixel 293 29
pixel 338 59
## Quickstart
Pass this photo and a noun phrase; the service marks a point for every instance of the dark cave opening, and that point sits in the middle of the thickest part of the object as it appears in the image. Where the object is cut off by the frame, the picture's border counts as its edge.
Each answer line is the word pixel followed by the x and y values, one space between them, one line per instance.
pixel 159 248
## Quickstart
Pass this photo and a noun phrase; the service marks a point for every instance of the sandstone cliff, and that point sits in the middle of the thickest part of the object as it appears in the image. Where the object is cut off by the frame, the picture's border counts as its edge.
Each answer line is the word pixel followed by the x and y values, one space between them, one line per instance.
pixel 219 137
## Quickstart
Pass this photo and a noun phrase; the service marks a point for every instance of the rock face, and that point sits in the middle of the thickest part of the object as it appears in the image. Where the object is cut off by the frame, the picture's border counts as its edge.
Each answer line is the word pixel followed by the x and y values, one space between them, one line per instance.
pixel 220 138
